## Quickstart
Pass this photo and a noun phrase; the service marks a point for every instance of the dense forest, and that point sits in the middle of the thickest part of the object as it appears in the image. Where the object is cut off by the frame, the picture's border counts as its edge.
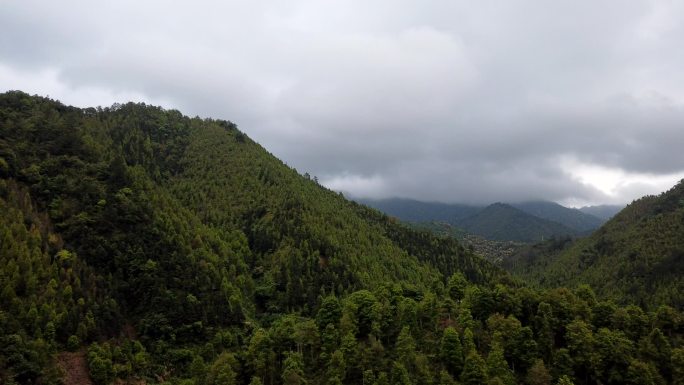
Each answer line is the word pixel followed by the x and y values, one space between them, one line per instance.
pixel 174 250
pixel 636 257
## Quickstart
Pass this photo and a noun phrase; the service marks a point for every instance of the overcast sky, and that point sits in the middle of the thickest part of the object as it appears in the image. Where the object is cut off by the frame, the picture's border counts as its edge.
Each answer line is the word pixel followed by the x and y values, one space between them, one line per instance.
pixel 580 102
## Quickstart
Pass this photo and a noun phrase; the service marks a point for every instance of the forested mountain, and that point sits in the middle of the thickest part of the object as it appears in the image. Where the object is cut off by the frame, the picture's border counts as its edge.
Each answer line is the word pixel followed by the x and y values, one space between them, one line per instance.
pixel 521 222
pixel 604 212
pixel 416 211
pixel 165 249
pixel 571 218
pixel 502 222
pixel 636 257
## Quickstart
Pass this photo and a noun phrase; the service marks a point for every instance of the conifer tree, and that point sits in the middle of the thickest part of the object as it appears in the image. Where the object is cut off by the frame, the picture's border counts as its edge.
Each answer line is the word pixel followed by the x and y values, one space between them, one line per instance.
pixel 293 369
pixel 641 373
pixel 545 336
pixel 474 370
pixel 336 366
pixel 405 347
pixel 677 362
pixel 381 379
pixel 468 342
pixel 656 348
pixel 223 371
pixel 446 379
pixel 538 374
pixel 451 351
pixel 496 363
pixel 400 376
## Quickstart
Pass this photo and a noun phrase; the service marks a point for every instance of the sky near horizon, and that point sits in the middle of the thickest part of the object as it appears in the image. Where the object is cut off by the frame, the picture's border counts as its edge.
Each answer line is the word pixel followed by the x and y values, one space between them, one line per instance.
pixel 579 102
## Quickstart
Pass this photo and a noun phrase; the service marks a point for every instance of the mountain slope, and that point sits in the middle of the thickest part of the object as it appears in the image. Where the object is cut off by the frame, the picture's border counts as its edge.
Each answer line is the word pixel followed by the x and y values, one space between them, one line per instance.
pixel 262 196
pixel 164 249
pixel 503 222
pixel 81 165
pixel 637 256
pixel 177 226
pixel 571 218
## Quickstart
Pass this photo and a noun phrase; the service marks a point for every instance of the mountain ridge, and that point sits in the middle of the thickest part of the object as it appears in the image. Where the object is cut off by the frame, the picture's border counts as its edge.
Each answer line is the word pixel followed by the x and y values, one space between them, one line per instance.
pixel 167 249
pixel 569 217
pixel 541 219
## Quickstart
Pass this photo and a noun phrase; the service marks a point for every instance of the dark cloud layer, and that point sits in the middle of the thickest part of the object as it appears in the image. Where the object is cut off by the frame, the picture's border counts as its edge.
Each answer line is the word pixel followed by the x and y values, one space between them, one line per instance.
pixel 573 101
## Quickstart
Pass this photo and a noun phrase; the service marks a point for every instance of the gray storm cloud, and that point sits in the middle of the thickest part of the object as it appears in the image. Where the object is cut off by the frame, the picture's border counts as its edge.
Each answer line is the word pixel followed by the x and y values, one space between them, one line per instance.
pixel 440 100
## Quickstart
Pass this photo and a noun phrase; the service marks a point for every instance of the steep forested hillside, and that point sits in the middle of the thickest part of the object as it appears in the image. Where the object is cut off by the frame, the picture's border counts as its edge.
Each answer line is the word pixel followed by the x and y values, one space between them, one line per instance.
pixel 570 218
pixel 638 256
pixel 172 250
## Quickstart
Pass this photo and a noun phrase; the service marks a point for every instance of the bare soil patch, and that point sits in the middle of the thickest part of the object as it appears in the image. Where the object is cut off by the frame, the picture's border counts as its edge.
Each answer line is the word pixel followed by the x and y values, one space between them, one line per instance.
pixel 75 368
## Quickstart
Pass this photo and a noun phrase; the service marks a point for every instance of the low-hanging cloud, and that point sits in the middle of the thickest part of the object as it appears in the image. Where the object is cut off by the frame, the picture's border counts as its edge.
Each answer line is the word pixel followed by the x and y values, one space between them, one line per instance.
pixel 437 100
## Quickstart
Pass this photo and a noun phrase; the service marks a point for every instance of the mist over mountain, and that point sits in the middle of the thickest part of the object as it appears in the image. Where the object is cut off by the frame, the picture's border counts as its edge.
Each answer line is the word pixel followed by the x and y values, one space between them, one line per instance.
pixel 575 219
pixel 605 212
pixel 525 222
pixel 416 211
pixel 502 222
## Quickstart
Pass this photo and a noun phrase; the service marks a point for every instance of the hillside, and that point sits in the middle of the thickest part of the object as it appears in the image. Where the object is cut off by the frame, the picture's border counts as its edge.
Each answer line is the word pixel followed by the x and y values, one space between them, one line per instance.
pixel 637 256
pixel 571 218
pixel 158 248
pixel 502 222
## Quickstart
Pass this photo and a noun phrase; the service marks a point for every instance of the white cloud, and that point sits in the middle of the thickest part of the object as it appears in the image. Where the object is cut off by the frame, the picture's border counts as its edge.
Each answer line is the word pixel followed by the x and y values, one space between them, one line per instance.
pixel 618 185
pixel 372 187
pixel 46 82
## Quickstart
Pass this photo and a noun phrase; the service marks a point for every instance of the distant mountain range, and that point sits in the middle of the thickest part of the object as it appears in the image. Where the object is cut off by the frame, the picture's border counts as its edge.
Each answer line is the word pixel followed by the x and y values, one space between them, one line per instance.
pixel 410 210
pixel 574 219
pixel 523 222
